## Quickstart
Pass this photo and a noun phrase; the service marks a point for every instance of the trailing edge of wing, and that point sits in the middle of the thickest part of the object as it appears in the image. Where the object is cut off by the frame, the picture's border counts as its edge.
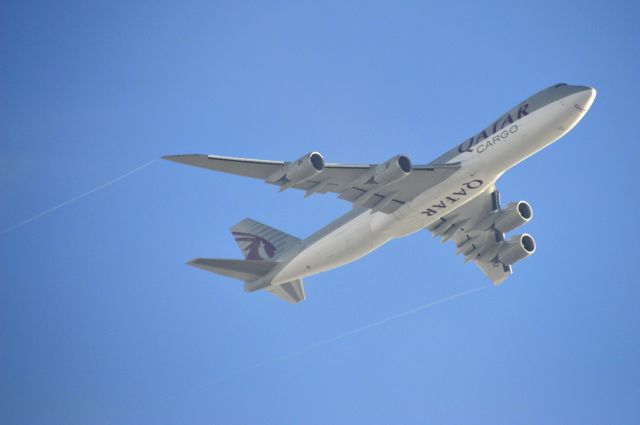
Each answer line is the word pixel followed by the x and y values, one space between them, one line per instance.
pixel 498 272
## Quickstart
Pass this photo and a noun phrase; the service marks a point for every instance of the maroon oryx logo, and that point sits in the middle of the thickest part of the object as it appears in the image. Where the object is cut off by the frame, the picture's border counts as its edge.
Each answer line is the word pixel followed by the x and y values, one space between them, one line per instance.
pixel 252 248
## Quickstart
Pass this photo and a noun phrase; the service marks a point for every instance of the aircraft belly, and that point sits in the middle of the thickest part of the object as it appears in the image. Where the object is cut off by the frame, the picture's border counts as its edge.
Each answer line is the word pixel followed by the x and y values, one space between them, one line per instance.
pixel 366 232
pixel 349 242
pixel 394 199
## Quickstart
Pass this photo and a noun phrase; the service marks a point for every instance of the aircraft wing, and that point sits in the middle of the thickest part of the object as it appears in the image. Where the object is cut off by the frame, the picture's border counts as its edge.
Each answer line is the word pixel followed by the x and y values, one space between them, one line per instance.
pixel 473 230
pixel 355 183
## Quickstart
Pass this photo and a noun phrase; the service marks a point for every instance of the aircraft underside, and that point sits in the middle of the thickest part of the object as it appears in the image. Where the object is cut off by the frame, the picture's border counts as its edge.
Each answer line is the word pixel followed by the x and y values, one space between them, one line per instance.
pixel 453 197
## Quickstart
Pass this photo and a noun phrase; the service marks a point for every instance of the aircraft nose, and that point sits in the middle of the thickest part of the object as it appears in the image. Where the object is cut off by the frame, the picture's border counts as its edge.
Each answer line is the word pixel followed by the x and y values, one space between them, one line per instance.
pixel 586 96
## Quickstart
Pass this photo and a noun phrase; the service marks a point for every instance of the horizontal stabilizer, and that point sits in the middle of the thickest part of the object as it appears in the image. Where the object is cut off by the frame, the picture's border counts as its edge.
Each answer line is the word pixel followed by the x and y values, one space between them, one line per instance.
pixel 245 270
pixel 292 292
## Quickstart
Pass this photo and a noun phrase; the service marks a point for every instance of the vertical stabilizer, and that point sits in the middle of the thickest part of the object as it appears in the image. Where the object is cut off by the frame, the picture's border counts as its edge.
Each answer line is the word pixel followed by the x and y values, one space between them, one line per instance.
pixel 258 241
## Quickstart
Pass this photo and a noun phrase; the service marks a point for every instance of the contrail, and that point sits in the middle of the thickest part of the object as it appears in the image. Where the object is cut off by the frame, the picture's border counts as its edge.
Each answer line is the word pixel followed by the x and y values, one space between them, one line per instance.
pixel 350 333
pixel 76 198
pixel 381 322
pixel 324 342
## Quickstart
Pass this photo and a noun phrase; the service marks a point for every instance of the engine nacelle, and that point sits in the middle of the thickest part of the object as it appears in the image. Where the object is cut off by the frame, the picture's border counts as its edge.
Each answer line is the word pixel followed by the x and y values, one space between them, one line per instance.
pixel 395 169
pixel 516 249
pixel 513 215
pixel 304 168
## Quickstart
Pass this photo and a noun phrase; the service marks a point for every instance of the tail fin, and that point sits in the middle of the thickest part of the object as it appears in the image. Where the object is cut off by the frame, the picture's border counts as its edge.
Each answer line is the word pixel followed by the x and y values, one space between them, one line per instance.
pixel 262 246
pixel 258 241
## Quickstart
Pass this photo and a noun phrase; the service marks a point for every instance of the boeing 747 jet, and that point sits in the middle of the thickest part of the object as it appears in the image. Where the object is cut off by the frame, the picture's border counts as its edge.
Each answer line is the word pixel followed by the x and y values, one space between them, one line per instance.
pixel 453 197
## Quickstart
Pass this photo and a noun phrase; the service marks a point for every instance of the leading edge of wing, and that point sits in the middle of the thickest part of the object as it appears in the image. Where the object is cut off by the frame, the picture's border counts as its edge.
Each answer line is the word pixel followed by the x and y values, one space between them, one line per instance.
pixel 184 158
pixel 256 168
pixel 215 162
pixel 343 179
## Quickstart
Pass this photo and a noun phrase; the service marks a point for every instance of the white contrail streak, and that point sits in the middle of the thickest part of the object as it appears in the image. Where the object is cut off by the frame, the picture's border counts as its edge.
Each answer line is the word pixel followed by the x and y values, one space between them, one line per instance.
pixel 76 198
pixel 346 334
pixel 350 333
pixel 324 342
pixel 381 322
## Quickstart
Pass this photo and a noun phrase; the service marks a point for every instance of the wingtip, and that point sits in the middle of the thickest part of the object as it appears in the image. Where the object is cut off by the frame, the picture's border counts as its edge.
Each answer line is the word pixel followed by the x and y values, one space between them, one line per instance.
pixel 193 262
pixel 183 158
pixel 174 158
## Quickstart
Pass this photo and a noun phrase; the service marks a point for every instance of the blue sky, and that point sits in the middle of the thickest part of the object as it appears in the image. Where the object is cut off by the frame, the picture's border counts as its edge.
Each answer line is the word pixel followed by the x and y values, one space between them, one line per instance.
pixel 100 320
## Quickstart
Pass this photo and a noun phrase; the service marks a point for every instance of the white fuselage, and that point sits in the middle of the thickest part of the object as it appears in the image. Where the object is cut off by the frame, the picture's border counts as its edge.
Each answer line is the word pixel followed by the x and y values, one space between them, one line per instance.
pixel 483 160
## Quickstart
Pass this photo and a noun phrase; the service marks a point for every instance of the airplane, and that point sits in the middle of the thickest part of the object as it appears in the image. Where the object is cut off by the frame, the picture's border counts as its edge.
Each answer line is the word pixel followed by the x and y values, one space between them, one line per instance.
pixel 453 197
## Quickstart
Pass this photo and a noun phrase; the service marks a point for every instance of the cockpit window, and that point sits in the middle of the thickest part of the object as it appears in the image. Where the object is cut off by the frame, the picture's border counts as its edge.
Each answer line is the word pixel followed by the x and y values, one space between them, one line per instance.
pixel 559 85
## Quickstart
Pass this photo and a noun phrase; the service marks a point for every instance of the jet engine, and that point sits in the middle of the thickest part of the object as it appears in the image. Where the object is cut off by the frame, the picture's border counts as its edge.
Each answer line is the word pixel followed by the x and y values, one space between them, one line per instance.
pixel 513 215
pixel 304 168
pixel 395 169
pixel 516 249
